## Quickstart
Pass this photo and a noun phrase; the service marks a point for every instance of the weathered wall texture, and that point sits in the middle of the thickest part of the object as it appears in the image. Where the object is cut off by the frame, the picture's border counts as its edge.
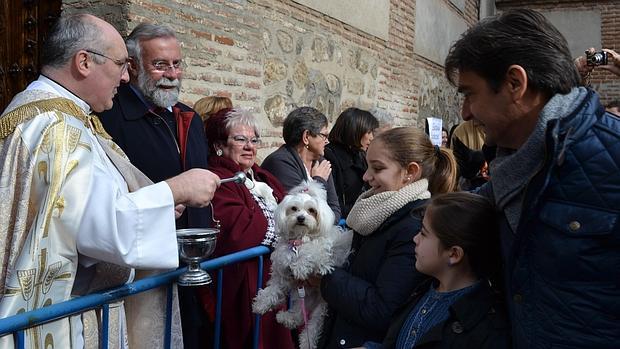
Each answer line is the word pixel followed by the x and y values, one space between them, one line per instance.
pixel 594 24
pixel 436 97
pixel 271 56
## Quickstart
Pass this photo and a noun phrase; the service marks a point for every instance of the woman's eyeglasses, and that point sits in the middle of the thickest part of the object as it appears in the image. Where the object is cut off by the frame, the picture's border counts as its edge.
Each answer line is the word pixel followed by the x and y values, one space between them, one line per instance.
pixel 324 136
pixel 243 140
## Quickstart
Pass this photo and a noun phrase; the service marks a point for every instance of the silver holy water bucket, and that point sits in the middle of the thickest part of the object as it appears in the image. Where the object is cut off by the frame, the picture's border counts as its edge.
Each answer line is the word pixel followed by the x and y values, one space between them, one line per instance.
pixel 197 244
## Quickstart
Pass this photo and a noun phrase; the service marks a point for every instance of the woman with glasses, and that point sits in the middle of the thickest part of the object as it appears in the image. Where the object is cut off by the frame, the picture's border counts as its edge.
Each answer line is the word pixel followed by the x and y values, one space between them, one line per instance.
pixel 301 157
pixel 245 212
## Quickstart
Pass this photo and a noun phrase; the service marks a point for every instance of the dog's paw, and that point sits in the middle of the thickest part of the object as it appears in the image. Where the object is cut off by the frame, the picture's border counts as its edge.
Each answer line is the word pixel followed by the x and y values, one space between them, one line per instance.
pixel 325 269
pixel 289 319
pixel 261 303
pixel 258 307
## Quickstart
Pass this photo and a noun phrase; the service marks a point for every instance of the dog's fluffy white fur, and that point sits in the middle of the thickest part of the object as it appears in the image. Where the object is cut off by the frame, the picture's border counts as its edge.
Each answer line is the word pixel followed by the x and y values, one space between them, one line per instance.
pixel 309 244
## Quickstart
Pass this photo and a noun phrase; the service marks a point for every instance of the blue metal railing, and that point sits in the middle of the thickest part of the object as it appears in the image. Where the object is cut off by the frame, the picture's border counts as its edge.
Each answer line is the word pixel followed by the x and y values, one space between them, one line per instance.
pixel 18 323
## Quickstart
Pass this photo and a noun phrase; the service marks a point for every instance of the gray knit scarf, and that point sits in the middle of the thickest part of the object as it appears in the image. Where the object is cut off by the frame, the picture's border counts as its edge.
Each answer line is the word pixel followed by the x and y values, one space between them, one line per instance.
pixel 511 170
pixel 372 209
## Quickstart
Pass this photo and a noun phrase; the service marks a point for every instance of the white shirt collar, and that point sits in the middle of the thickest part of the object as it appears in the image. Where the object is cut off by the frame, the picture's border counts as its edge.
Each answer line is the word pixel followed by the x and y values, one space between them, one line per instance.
pixel 46 84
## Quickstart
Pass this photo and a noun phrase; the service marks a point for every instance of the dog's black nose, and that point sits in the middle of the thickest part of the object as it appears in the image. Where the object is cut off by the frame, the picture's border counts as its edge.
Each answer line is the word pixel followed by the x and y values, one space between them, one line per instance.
pixel 301 219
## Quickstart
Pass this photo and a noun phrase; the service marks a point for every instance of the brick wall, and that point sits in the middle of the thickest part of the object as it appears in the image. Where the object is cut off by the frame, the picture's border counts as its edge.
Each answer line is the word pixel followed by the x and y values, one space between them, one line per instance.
pixel 271 56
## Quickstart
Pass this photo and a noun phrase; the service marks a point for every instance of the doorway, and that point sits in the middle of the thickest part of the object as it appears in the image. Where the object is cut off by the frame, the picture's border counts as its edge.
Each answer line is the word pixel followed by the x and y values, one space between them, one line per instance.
pixel 24 25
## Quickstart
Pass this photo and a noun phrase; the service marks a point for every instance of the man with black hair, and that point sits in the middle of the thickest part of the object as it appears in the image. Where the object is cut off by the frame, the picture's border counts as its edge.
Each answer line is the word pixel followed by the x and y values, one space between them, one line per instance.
pixel 613 107
pixel 555 180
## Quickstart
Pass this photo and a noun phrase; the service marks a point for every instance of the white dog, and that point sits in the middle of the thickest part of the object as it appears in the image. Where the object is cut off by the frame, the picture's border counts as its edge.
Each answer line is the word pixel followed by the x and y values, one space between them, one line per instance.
pixel 309 244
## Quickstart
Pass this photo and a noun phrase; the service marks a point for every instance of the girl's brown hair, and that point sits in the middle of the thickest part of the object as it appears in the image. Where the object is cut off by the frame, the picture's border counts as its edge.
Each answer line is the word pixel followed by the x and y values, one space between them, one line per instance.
pixel 408 144
pixel 469 221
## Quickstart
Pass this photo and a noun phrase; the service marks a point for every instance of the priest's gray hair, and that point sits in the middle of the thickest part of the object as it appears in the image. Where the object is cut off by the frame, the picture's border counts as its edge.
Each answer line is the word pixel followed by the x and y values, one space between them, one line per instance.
pixel 69 35
pixel 145 32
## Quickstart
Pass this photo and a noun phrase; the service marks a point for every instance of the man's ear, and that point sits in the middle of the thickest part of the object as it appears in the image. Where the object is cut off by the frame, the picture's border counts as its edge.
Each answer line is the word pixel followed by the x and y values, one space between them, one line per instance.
pixel 516 81
pixel 82 63
pixel 132 66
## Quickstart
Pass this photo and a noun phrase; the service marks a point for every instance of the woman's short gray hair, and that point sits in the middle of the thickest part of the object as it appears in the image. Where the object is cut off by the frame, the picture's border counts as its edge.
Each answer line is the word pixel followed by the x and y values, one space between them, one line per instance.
pixel 236 117
pixel 143 32
pixel 69 35
pixel 300 120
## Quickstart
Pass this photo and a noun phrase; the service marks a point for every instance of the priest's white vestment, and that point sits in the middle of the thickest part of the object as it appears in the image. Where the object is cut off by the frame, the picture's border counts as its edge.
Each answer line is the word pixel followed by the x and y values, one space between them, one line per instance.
pixel 63 202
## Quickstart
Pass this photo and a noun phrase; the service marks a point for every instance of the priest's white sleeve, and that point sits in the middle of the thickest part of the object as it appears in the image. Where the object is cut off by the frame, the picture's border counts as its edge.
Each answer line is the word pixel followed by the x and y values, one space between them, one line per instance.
pixel 131 229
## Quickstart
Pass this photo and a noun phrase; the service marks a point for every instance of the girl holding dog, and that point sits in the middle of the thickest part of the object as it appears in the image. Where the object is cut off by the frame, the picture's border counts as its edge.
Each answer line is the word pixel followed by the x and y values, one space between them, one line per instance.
pixel 458 246
pixel 404 169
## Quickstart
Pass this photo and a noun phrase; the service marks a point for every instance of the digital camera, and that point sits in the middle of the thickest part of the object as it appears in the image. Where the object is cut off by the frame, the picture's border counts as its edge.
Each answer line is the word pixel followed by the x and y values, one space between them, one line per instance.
pixel 596 58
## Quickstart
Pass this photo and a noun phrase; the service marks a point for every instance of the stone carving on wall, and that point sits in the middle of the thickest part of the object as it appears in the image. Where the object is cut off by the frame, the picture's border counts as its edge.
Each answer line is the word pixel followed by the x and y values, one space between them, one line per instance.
pixel 437 98
pixel 276 108
pixel 267 39
pixel 274 70
pixel 285 40
pixel 305 69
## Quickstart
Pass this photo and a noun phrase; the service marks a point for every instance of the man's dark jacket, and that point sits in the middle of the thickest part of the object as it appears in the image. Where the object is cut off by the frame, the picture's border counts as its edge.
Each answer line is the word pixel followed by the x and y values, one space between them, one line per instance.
pixel 562 266
pixel 149 138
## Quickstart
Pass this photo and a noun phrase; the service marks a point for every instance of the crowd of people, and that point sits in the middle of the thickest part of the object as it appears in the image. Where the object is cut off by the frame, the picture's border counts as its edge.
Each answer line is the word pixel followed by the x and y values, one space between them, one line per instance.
pixel 505 235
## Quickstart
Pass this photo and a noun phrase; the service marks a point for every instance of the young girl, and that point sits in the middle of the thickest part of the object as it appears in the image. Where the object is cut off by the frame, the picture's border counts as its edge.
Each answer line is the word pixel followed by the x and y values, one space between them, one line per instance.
pixel 458 246
pixel 404 169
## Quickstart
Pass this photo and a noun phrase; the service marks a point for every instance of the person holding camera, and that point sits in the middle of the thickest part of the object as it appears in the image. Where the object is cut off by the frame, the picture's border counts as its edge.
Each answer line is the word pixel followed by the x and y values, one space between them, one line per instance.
pixel 605 59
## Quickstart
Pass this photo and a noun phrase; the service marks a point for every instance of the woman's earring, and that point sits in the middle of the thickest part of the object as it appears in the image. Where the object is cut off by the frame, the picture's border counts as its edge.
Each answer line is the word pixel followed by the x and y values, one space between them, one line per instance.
pixel 219 152
pixel 408 178
pixel 307 147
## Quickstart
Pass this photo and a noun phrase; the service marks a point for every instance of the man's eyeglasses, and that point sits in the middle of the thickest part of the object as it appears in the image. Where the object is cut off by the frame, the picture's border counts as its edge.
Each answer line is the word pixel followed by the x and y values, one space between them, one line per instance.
pixel 163 66
pixel 120 63
pixel 243 140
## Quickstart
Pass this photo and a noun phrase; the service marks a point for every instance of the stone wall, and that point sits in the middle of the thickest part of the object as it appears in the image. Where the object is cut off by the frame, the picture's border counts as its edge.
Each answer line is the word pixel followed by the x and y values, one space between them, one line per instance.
pixel 604 28
pixel 272 56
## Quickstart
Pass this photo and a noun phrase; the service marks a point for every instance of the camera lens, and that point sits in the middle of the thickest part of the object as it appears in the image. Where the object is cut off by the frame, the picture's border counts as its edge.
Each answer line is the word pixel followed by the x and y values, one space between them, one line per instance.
pixel 598 58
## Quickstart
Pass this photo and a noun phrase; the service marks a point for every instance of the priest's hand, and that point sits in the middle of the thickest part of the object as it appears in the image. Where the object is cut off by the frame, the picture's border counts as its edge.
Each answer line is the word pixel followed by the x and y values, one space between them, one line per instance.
pixel 178 211
pixel 194 188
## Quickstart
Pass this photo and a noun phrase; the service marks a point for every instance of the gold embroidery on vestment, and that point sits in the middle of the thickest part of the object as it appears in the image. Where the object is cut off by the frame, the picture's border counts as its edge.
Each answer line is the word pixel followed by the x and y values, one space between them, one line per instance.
pixel 49 341
pixel 42 171
pixel 57 132
pixel 98 127
pixel 26 282
pixel 23 113
pixel 73 138
pixel 59 205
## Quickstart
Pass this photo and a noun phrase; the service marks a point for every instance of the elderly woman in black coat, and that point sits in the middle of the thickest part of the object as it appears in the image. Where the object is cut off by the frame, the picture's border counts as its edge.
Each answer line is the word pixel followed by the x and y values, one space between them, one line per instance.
pixel 301 157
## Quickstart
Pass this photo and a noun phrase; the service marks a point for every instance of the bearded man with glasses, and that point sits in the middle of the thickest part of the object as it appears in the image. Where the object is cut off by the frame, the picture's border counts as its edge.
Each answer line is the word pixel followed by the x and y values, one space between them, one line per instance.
pixel 160 135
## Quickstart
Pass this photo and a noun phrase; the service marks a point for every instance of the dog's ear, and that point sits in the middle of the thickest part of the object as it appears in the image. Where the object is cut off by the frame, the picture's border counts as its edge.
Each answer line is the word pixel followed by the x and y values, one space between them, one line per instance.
pixel 325 216
pixel 279 216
